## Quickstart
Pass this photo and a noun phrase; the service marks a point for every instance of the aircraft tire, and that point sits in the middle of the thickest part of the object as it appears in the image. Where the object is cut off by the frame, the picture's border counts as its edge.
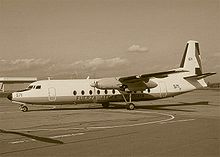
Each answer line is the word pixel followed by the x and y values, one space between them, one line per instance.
pixel 24 108
pixel 130 106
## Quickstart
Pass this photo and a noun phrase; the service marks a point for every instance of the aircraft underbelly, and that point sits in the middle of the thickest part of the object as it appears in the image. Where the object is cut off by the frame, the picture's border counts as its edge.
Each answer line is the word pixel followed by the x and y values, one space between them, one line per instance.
pixel 100 98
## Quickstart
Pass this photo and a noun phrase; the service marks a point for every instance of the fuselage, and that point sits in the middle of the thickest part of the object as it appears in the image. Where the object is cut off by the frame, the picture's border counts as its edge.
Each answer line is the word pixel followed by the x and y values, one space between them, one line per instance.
pixel 78 91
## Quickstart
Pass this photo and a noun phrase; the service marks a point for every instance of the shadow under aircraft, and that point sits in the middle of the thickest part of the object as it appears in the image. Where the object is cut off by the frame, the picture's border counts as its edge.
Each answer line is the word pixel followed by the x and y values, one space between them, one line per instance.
pixel 120 106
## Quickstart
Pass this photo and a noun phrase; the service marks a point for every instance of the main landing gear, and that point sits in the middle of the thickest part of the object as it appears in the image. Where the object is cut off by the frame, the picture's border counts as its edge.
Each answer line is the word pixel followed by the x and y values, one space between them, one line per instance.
pixel 129 104
pixel 105 104
pixel 23 108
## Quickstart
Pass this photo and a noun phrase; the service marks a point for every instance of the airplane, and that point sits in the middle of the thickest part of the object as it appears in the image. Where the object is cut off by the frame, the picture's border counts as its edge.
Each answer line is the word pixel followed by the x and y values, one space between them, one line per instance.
pixel 128 89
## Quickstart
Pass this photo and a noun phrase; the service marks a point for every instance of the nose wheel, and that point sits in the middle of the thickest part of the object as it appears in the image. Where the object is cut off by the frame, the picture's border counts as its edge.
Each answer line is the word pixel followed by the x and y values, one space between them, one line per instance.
pixel 130 106
pixel 23 108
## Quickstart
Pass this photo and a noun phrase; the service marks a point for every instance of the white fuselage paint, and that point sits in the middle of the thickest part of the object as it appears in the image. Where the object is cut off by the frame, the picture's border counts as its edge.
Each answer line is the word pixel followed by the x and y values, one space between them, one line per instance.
pixel 61 92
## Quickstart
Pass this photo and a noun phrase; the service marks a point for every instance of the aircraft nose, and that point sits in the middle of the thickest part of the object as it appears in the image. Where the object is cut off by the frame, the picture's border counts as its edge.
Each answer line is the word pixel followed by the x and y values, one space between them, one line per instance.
pixel 9 96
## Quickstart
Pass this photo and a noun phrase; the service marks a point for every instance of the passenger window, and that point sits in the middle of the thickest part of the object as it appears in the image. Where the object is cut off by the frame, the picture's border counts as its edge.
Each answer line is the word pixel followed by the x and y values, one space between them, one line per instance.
pixel 82 92
pixel 106 92
pixel 90 92
pixel 98 91
pixel 113 91
pixel 38 87
pixel 74 92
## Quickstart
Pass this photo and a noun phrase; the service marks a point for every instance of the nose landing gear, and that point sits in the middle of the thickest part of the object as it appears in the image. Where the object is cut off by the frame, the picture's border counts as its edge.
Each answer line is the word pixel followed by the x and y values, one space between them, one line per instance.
pixel 23 108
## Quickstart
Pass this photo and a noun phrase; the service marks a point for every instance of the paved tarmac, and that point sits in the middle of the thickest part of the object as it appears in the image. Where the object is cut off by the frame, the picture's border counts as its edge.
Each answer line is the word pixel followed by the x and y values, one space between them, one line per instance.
pixel 187 125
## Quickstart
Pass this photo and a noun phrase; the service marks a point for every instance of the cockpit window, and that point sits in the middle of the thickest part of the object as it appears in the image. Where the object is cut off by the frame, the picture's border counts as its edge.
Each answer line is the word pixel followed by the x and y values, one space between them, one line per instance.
pixel 30 87
pixel 33 87
pixel 38 87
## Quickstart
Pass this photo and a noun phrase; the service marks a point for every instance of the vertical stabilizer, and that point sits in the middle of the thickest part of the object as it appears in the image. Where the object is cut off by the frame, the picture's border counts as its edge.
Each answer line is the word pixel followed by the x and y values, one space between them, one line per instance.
pixel 191 60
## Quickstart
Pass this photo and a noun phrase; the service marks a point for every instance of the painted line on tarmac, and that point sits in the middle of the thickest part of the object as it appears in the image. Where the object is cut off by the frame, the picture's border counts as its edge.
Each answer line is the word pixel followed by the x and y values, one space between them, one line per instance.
pixel 9 112
pixel 67 135
pixel 55 129
pixel 170 117
pixel 176 121
pixel 16 142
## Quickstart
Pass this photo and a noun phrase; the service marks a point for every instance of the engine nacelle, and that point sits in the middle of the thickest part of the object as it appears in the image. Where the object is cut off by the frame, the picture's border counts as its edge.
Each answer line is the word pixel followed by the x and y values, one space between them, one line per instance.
pixel 151 84
pixel 107 83
pixel 113 83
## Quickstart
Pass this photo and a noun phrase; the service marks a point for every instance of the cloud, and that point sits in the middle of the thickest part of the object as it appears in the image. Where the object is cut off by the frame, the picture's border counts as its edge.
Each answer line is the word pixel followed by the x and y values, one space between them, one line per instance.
pixel 22 64
pixel 217 54
pixel 45 67
pixel 30 62
pixel 217 66
pixel 137 49
pixel 99 63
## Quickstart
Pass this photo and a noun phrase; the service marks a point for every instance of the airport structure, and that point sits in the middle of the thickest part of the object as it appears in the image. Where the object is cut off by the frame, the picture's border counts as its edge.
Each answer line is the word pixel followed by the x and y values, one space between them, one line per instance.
pixel 14 80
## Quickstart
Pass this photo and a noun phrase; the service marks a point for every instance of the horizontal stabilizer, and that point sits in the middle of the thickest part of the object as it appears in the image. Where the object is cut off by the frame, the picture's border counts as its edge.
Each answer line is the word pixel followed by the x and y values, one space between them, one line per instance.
pixel 198 77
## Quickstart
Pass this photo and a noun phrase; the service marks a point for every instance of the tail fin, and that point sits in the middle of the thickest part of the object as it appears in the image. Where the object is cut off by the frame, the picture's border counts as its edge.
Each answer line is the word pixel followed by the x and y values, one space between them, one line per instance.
pixel 191 60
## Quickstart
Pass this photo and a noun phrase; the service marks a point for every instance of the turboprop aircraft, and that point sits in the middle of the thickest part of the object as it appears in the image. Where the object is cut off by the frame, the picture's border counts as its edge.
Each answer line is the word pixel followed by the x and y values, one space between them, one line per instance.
pixel 186 78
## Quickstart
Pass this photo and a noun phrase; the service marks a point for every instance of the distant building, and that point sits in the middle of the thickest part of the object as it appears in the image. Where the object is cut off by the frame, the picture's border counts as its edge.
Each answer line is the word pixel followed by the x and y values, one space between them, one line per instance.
pixel 213 85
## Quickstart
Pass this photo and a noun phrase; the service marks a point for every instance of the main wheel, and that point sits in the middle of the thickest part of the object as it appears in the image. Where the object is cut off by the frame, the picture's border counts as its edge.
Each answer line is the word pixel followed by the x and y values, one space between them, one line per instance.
pixel 105 105
pixel 24 108
pixel 130 106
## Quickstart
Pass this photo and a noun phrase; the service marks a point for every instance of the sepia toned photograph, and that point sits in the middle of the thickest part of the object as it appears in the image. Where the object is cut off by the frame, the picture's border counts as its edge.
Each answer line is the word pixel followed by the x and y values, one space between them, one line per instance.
pixel 109 78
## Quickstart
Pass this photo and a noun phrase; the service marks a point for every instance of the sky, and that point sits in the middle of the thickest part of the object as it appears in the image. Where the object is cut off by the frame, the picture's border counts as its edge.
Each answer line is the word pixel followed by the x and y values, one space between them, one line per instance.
pixel 103 38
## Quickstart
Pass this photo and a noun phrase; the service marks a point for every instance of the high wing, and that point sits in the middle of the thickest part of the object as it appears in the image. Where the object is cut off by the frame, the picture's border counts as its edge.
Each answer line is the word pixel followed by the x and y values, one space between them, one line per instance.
pixel 12 80
pixel 133 83
pixel 147 76
pixel 142 82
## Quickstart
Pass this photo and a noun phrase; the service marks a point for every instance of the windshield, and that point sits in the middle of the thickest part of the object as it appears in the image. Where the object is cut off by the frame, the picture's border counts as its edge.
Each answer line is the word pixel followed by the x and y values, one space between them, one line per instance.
pixel 30 87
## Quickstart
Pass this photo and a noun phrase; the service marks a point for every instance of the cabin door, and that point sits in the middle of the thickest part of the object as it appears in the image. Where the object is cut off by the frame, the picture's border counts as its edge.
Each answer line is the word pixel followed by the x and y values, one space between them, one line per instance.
pixel 163 89
pixel 94 95
pixel 51 94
